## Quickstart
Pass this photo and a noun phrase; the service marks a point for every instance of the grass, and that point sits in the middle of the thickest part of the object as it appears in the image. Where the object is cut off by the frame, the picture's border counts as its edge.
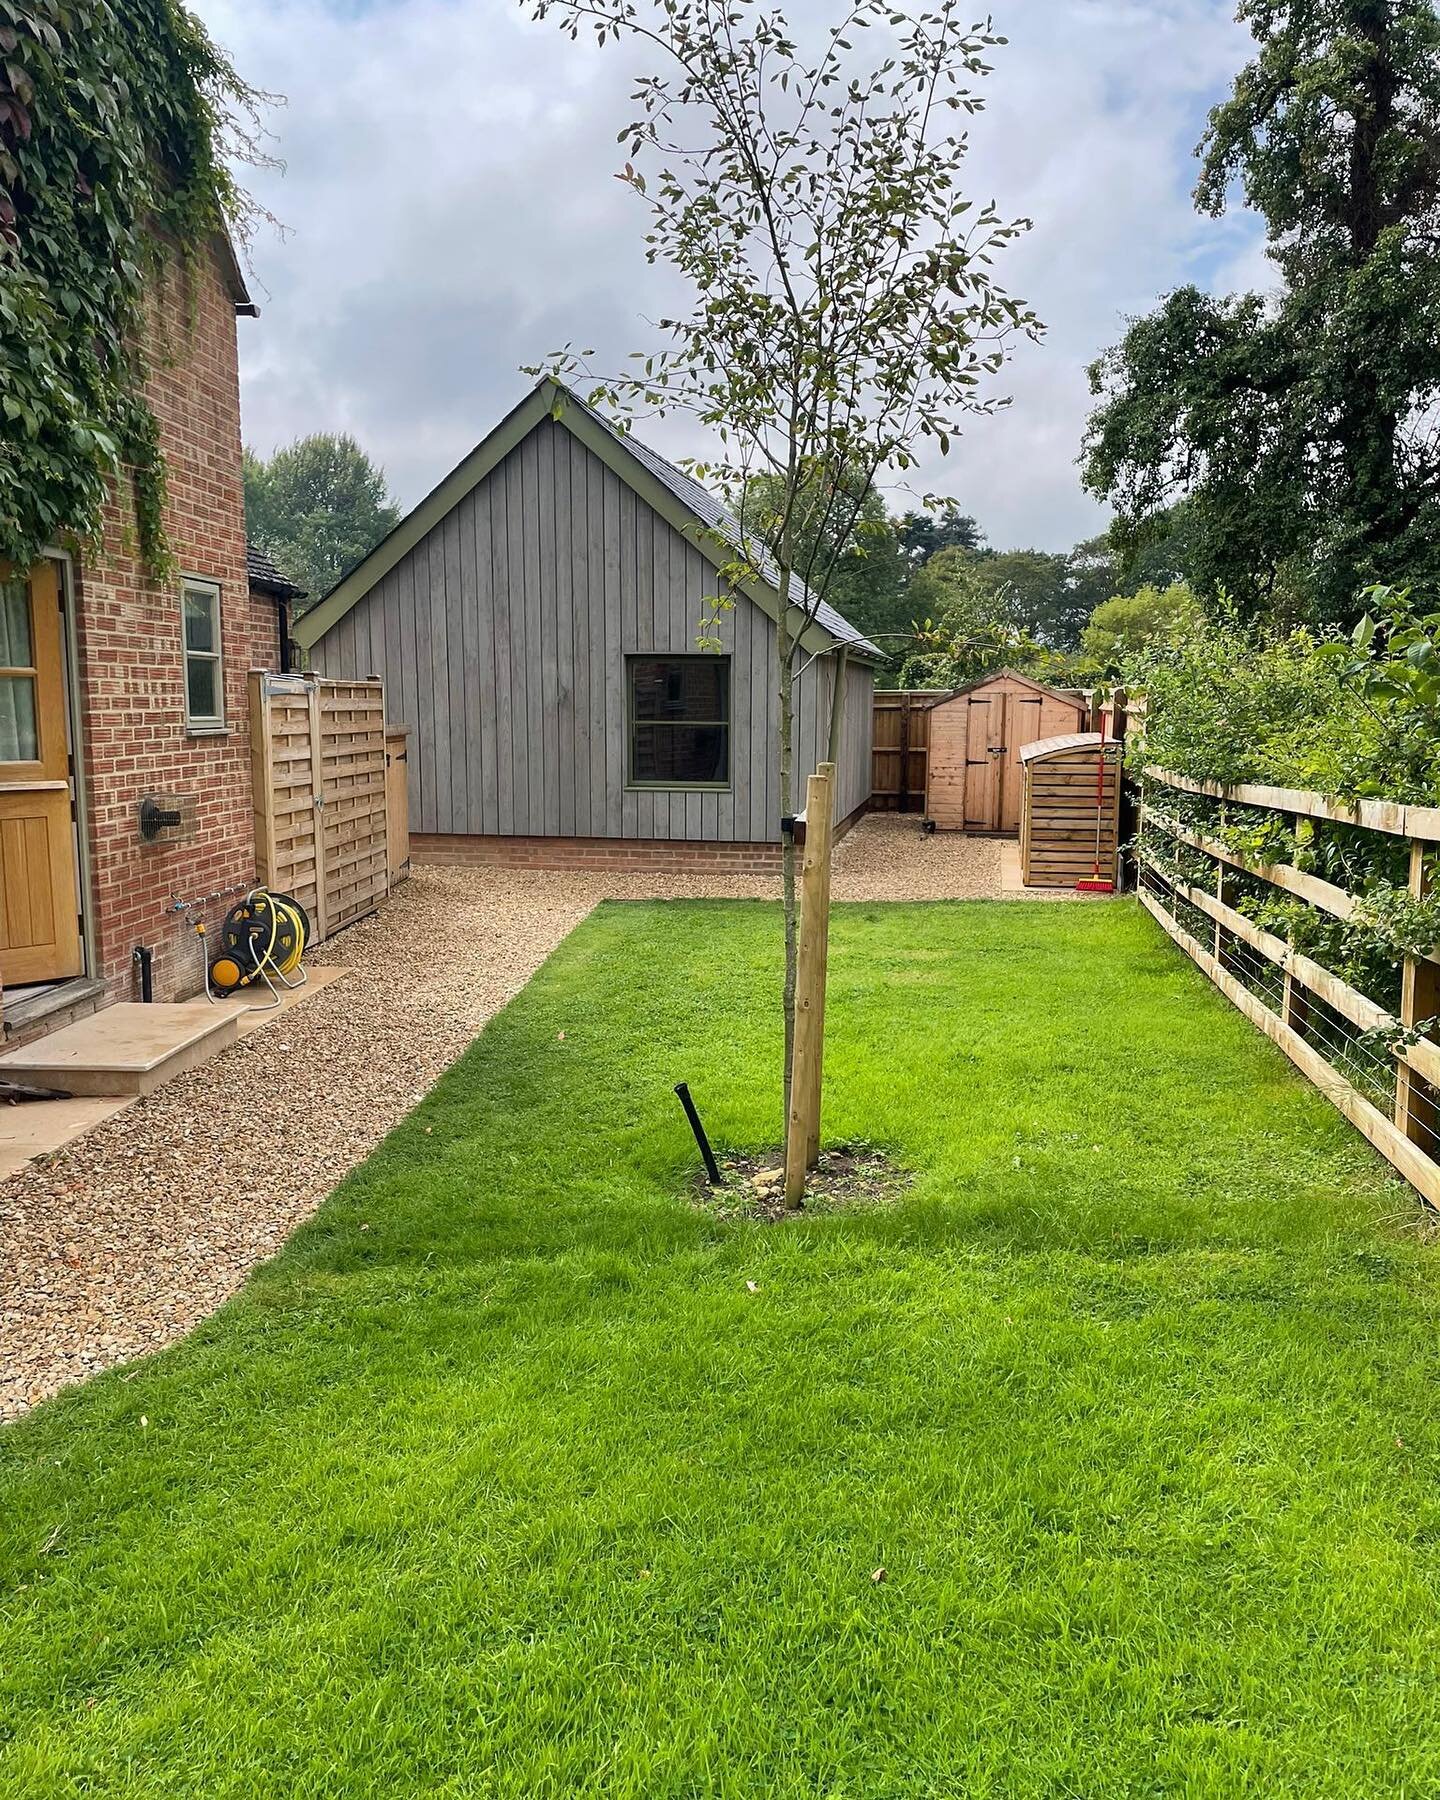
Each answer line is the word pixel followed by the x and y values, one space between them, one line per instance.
pixel 501 1481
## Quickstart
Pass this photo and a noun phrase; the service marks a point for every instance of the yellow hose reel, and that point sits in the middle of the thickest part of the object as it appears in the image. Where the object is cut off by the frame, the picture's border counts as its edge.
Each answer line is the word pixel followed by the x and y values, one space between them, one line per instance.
pixel 265 935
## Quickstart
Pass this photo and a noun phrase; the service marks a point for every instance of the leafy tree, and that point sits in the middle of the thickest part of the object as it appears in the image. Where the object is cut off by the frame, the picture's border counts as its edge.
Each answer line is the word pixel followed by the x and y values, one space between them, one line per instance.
pixel 1129 622
pixel 844 313
pixel 966 627
pixel 1096 571
pixel 1298 431
pixel 1036 591
pixel 923 534
pixel 318 506
pixel 1039 594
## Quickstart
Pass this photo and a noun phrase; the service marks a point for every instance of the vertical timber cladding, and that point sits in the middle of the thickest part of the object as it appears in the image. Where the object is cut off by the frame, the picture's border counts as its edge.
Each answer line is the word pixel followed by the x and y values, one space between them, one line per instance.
pixel 502 636
pixel 320 794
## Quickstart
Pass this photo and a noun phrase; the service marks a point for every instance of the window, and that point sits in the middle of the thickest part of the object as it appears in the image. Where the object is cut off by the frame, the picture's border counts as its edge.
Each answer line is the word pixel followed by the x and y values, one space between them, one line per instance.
pixel 679 721
pixel 204 679
pixel 19 736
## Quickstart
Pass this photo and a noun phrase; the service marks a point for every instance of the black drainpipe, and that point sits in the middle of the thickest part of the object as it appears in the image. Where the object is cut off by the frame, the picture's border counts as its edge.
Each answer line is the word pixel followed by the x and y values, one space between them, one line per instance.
pixel 282 607
pixel 145 963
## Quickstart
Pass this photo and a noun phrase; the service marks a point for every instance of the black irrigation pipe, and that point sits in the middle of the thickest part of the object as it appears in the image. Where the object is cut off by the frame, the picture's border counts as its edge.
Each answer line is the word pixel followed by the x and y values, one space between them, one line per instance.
pixel 712 1168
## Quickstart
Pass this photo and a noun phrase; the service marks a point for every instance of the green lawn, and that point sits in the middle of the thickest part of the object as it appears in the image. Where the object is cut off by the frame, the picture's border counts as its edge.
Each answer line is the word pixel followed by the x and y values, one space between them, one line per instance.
pixel 502 1481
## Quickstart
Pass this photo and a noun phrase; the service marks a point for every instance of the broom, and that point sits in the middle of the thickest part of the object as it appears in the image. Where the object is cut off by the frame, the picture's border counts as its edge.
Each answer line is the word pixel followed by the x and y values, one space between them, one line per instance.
pixel 1095 882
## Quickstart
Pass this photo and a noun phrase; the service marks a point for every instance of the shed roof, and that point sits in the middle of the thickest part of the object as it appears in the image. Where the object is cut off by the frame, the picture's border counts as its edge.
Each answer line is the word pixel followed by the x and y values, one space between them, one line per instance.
pixel 1071 696
pixel 688 506
pixel 1071 740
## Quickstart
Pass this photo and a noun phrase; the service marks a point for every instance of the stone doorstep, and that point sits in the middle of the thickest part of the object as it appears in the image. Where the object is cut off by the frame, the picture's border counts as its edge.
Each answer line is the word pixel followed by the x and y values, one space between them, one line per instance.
pixel 124 1049
pixel 41 1127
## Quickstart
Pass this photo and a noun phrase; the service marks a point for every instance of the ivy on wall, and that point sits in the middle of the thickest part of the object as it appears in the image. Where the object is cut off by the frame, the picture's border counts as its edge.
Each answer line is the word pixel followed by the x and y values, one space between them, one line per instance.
pixel 116 120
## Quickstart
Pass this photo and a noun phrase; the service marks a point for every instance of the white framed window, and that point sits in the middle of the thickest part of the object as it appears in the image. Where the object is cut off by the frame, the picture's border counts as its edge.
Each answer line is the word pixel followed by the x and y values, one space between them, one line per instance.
pixel 200 641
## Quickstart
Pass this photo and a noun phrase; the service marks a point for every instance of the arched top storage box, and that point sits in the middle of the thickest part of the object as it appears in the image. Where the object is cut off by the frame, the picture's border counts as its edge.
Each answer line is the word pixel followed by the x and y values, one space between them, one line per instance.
pixel 1070 824
pixel 973 781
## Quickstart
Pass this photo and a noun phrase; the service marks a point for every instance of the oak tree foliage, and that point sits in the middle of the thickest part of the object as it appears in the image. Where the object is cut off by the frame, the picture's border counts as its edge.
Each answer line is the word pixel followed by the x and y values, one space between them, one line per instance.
pixel 1300 430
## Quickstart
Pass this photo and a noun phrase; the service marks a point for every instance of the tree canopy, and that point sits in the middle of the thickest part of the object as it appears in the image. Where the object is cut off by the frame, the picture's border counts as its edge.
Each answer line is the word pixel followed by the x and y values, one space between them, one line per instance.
pixel 1297 430
pixel 318 506
pixel 1128 623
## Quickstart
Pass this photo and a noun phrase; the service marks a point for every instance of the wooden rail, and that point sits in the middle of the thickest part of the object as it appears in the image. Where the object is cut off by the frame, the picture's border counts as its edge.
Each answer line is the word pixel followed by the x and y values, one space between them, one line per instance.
pixel 1410 1139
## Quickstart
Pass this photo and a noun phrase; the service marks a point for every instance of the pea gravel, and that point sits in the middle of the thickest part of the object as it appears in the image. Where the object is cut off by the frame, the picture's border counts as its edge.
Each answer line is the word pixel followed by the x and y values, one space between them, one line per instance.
pixel 130 1235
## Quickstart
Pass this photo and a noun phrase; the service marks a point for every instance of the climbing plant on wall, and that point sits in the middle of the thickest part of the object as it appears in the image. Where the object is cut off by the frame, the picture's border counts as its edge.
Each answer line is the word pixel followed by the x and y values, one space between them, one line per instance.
pixel 117 122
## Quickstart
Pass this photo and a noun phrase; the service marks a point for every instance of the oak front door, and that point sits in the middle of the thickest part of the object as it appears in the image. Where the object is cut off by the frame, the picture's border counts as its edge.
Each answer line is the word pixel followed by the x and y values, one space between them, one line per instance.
pixel 39 915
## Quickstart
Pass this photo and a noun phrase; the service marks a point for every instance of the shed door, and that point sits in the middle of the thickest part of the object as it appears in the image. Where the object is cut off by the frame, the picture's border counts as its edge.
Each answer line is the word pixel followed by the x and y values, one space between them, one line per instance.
pixel 1000 726
pixel 39 918
pixel 984 754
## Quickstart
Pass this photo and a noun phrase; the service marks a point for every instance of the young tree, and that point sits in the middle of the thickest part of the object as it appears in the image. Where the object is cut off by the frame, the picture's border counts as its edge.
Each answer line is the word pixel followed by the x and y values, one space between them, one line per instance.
pixel 317 506
pixel 1300 429
pixel 844 312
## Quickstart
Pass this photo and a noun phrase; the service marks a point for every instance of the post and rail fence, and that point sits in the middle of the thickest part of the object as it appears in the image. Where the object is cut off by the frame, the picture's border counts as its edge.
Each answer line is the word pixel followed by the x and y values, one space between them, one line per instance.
pixel 1378 1065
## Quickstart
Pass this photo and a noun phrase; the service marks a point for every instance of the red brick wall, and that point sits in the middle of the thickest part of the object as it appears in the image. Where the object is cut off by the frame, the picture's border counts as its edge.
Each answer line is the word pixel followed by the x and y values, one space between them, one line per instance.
pixel 132 699
pixel 632 856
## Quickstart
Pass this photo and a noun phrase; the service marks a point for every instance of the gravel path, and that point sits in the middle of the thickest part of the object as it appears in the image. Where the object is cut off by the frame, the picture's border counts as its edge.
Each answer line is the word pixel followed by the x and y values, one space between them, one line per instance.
pixel 125 1239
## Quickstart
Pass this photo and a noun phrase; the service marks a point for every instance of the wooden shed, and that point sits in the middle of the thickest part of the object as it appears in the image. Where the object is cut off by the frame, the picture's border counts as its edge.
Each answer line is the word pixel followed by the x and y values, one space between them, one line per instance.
pixel 535 621
pixel 976 737
pixel 1070 822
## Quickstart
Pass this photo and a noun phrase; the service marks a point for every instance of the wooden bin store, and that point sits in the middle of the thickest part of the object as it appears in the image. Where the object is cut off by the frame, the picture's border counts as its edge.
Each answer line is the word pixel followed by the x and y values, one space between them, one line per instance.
pixel 1070 820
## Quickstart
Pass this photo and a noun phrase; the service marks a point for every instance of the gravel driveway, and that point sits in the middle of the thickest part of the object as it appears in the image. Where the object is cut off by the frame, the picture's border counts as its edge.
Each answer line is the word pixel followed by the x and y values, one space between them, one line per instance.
pixel 126 1238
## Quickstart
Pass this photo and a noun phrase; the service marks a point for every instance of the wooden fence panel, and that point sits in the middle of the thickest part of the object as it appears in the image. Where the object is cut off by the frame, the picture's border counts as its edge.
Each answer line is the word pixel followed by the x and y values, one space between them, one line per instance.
pixel 319 769
pixel 900 747
pixel 1286 993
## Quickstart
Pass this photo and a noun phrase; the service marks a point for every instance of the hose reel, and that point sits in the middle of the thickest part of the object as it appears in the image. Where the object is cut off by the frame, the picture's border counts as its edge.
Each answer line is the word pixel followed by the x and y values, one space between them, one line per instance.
pixel 261 940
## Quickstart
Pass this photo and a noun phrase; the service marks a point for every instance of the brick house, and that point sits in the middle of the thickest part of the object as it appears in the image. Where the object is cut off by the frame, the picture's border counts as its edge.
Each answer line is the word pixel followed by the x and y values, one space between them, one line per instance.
pixel 121 688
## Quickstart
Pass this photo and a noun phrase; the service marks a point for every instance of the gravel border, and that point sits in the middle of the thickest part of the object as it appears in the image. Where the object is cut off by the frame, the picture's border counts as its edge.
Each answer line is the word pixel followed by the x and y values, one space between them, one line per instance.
pixel 129 1236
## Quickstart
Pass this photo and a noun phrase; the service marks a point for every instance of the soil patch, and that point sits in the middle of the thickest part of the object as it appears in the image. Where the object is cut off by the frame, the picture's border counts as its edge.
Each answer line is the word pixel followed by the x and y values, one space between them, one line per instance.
pixel 849 1175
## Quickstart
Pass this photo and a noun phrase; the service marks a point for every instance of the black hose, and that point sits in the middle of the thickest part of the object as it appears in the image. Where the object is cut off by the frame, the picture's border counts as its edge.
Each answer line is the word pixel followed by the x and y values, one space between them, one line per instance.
pixel 712 1168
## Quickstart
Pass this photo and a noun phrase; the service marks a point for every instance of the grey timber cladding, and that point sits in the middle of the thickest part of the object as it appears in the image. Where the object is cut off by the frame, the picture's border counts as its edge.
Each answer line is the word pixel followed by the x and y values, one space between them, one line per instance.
pixel 501 637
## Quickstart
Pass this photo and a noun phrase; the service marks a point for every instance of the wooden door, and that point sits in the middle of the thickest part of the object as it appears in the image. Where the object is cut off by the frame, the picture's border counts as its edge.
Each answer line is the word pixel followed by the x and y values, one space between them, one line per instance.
pixel 984 749
pixel 39 915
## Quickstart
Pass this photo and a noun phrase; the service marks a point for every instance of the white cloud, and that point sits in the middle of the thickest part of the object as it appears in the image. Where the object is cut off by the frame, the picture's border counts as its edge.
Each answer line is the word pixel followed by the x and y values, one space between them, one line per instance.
pixel 453 214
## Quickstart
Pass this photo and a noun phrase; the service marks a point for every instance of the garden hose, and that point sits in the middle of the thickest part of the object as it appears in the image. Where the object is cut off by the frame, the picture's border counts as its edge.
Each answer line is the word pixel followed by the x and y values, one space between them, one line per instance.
pixel 264 936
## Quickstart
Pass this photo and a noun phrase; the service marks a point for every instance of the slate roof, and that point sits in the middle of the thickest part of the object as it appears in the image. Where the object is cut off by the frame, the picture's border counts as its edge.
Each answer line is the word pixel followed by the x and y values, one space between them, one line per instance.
pixel 718 518
pixel 263 574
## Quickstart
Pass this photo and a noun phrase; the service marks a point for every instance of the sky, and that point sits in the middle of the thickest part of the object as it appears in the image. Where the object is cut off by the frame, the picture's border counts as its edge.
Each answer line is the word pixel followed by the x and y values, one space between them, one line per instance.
pixel 450 213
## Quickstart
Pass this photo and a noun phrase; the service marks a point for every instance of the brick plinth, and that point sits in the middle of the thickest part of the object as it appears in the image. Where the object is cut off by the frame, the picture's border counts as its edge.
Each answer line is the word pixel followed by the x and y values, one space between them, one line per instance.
pixel 624 854
pixel 627 855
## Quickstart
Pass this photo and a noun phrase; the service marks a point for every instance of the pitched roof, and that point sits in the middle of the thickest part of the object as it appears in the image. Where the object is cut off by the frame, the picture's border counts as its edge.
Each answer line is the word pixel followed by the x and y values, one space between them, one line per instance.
pixel 266 577
pixel 686 505
pixel 718 518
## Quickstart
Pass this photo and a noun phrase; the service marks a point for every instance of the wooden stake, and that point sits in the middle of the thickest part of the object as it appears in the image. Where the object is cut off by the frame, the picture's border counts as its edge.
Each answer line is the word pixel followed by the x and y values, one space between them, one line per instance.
pixel 809 977
pixel 1415 1107
pixel 822 932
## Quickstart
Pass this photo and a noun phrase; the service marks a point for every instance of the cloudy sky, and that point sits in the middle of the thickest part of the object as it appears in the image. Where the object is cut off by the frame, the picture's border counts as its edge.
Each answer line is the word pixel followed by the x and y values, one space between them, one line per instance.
pixel 451 214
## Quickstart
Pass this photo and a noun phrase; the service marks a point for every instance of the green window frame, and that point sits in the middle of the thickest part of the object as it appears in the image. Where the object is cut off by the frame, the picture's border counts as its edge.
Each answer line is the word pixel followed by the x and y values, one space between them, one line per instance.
pixel 202 651
pixel 678 722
